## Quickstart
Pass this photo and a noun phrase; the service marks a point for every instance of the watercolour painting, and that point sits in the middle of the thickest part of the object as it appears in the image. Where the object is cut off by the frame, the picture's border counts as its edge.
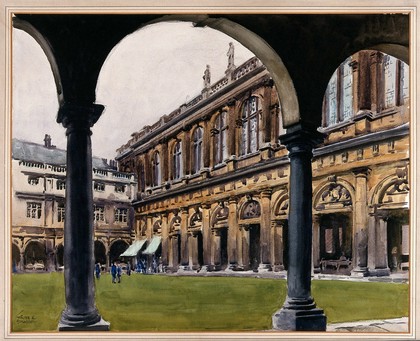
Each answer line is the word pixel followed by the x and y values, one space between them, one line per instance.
pixel 209 172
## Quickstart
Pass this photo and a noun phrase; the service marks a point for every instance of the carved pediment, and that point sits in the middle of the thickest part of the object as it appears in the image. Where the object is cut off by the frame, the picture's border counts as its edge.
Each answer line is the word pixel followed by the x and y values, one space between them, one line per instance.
pixel 334 196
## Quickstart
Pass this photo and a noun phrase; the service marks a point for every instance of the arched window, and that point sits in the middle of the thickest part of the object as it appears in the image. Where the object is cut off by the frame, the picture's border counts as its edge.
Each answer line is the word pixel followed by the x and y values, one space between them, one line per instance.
pixel 177 170
pixel 220 138
pixel 197 149
pixel 250 126
pixel 156 173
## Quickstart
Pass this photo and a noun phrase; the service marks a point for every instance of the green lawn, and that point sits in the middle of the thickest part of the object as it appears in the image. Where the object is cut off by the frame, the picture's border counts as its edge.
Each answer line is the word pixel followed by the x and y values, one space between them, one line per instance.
pixel 175 304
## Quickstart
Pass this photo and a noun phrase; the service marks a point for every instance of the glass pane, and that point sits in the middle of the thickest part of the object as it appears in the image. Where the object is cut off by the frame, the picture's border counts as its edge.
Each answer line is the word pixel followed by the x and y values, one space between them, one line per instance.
pixel 347 91
pixel 390 74
pixel 244 145
pixel 254 134
pixel 332 100
pixel 405 82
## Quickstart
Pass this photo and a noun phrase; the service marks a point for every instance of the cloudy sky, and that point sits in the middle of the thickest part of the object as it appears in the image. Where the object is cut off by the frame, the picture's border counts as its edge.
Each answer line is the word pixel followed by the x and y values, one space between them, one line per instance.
pixel 148 74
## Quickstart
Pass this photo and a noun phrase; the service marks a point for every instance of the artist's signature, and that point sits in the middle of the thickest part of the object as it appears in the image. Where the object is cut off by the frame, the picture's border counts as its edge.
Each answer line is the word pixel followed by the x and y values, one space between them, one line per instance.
pixel 22 318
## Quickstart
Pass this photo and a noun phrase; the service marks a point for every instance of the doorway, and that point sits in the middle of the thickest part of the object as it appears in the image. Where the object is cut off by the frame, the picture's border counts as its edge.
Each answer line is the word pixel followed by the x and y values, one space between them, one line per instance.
pixel 254 247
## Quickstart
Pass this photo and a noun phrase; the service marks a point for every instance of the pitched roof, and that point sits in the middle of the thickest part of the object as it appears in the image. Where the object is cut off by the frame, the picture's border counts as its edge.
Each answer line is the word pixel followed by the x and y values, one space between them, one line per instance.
pixel 34 152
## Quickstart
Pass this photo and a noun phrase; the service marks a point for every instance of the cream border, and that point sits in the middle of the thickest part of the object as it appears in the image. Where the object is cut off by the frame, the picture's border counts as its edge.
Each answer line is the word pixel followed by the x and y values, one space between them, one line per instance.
pixel 185 7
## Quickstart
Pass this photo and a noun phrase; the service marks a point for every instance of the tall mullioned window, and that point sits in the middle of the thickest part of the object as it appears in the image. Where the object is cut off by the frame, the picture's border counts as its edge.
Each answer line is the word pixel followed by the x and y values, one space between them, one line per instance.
pixel 98 213
pixel 177 170
pixel 157 177
pixel 33 210
pixel 392 82
pixel 220 138
pixel 197 149
pixel 121 215
pixel 250 126
pixel 61 212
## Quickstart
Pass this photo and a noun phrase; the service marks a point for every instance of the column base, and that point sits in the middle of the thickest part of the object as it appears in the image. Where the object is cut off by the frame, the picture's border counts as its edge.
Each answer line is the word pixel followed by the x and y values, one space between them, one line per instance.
pixel 82 322
pixel 359 272
pixel 232 267
pixel 204 269
pixel 380 272
pixel 264 268
pixel 184 268
pixel 317 270
pixel 300 315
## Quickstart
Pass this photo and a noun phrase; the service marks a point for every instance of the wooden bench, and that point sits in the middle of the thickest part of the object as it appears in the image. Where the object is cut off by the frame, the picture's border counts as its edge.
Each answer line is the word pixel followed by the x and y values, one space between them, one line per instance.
pixel 335 263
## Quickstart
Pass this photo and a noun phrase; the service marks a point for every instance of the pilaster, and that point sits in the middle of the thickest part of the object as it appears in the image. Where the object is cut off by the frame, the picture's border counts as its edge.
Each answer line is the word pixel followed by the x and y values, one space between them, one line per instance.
pixel 265 224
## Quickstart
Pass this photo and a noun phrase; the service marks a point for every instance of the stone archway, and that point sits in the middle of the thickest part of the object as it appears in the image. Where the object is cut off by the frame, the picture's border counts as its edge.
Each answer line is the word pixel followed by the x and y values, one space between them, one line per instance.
pixel 35 257
pixel 117 248
pixel 16 259
pixel 100 253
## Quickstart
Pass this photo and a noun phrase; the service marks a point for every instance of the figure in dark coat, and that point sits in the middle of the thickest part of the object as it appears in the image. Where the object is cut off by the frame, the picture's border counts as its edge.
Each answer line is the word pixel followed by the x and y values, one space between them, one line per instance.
pixel 114 272
pixel 98 270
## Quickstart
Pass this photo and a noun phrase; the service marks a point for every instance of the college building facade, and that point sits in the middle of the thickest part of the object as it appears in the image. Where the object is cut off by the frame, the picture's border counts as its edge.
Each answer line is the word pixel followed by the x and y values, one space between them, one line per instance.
pixel 213 177
pixel 39 207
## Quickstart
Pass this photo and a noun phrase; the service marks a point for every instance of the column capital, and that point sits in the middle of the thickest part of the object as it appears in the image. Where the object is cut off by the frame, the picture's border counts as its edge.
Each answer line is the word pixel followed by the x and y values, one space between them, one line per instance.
pixel 301 139
pixel 233 200
pixel 206 205
pixel 231 102
pixel 361 171
pixel 266 193
pixel 84 116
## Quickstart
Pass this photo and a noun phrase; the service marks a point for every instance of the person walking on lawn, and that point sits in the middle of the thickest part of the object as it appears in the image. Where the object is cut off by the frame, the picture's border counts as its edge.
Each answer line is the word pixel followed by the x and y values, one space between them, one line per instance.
pixel 114 272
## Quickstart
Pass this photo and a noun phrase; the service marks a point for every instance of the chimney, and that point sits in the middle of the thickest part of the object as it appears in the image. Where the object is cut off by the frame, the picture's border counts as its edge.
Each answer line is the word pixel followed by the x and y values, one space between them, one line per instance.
pixel 47 141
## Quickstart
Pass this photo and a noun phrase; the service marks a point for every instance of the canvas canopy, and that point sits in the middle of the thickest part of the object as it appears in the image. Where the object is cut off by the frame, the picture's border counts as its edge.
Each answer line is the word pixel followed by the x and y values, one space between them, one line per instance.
pixel 133 249
pixel 153 246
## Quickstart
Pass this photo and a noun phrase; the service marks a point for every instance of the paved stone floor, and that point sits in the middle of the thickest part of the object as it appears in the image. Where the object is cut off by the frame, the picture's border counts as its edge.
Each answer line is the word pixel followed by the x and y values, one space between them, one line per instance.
pixel 399 325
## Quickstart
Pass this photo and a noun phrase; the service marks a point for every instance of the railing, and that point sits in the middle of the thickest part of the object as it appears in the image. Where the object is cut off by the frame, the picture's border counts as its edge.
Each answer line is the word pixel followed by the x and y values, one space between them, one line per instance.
pixel 245 68
pixel 238 73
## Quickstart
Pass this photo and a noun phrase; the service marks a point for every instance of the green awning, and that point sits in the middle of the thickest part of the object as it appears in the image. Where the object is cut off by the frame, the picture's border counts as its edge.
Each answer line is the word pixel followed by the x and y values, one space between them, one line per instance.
pixel 153 246
pixel 133 248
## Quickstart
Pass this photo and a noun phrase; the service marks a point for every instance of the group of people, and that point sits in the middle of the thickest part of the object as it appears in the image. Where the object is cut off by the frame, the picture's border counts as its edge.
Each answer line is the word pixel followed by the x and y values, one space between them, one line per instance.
pixel 154 267
pixel 117 270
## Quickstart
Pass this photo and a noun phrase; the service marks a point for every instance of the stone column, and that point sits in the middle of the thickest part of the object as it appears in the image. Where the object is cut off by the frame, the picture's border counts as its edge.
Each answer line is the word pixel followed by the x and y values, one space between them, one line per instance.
pixel 108 260
pixel 165 161
pixel 184 240
pixel 266 127
pixel 165 240
pixel 206 144
pixel 80 313
pixel 239 245
pixel 277 246
pixel 215 250
pixel 22 261
pixel 371 262
pixel 193 250
pixel 360 223
pixel 206 237
pixel 355 69
pixel 231 138
pixel 245 247
pixel 265 226
pixel 315 244
pixel 232 234
pixel 382 268
pixel 186 152
pixel 299 311
pixel 374 77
